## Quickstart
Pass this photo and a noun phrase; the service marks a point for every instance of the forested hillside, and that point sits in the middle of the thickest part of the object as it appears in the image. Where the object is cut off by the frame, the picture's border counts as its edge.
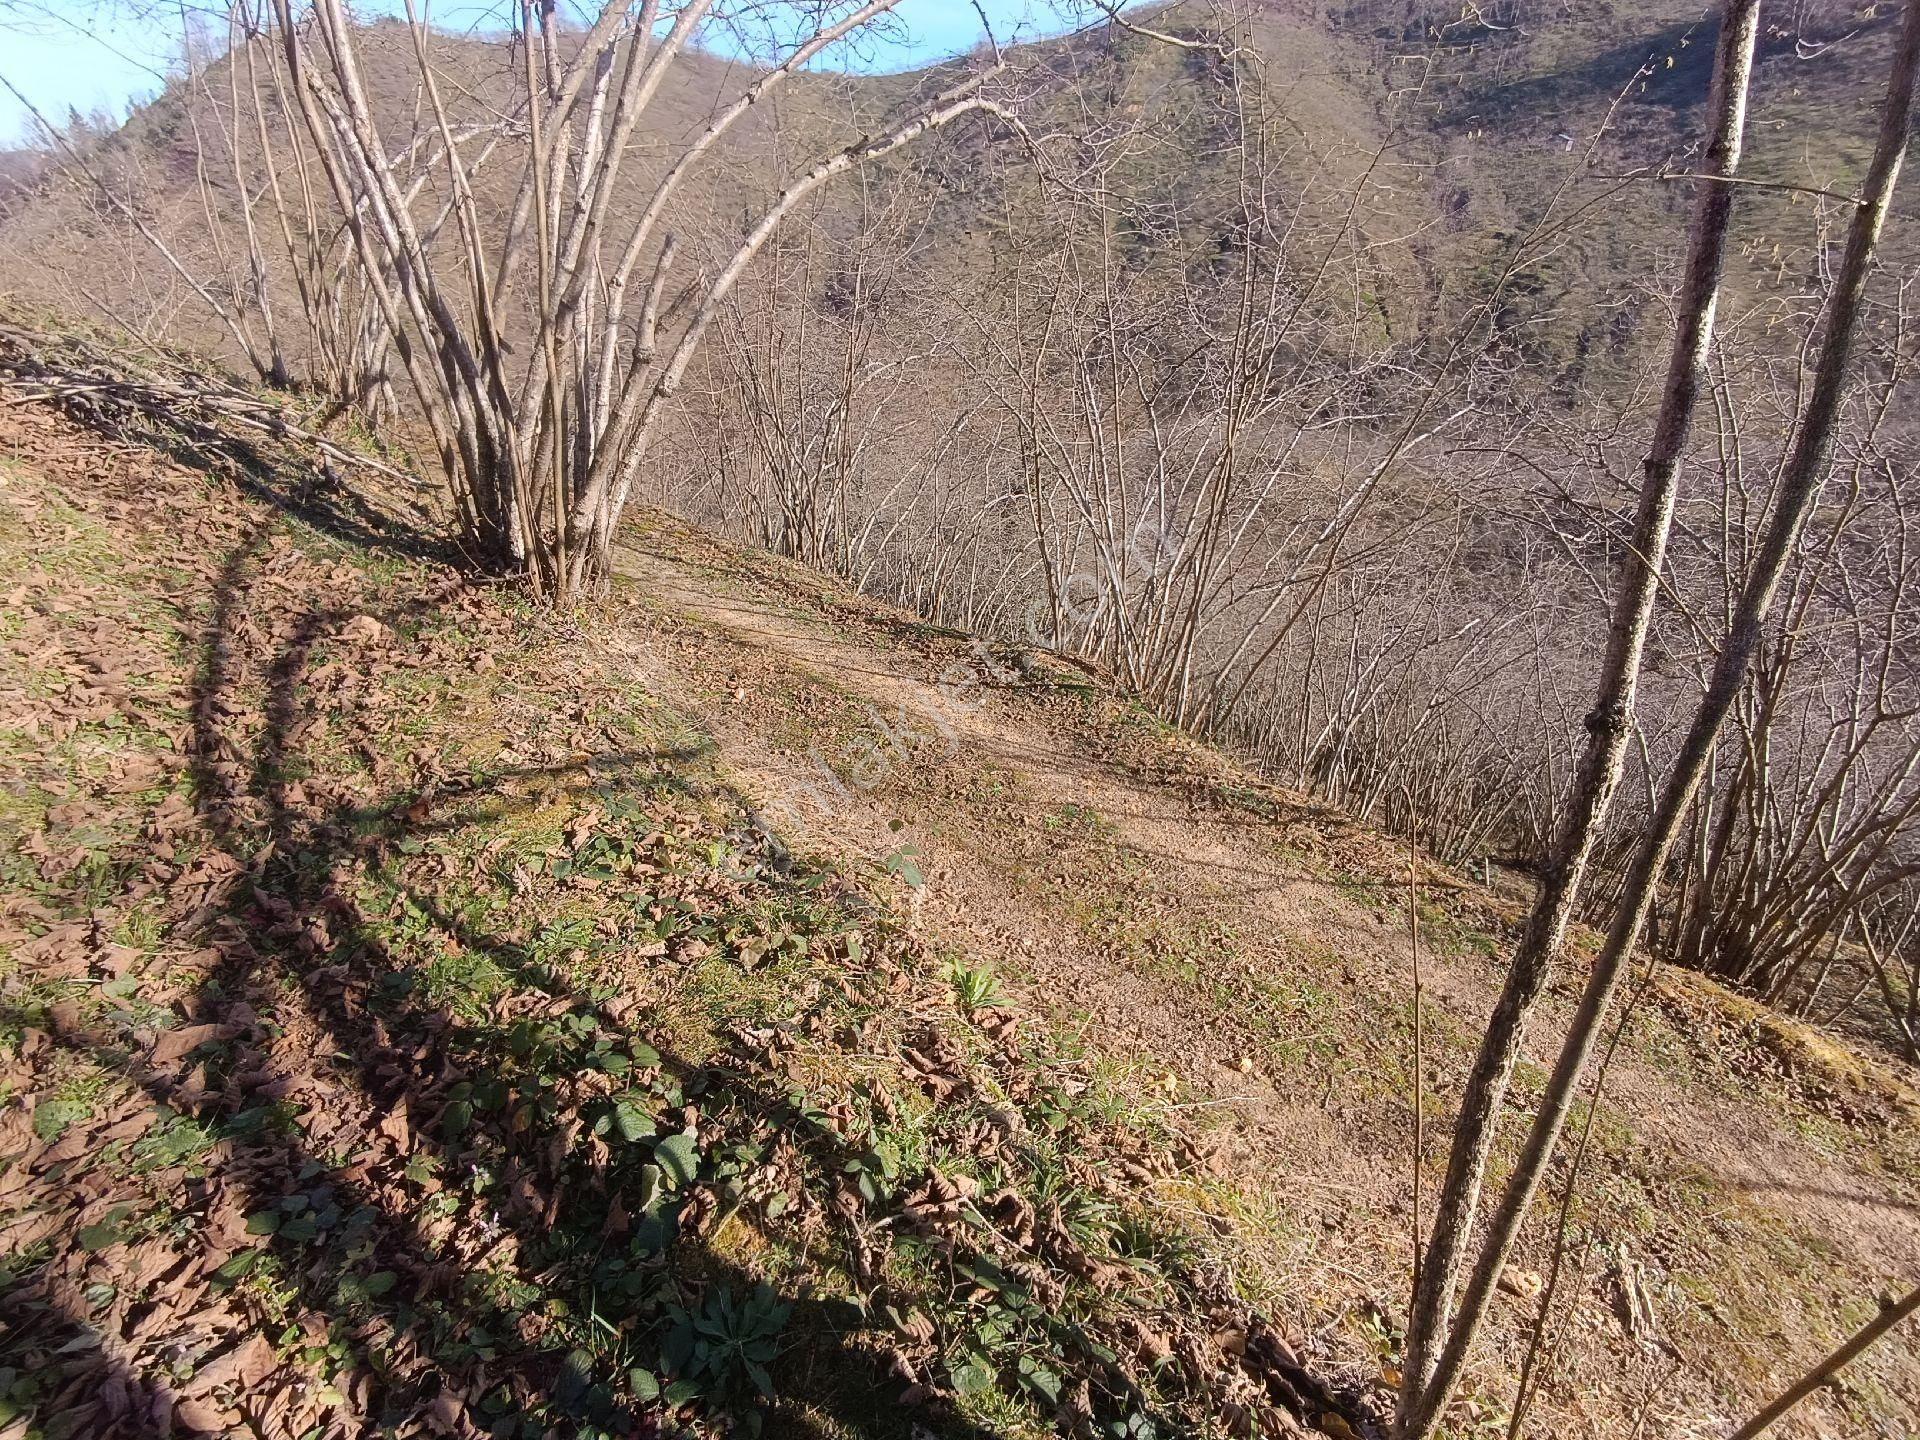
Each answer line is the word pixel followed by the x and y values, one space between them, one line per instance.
pixel 1492 424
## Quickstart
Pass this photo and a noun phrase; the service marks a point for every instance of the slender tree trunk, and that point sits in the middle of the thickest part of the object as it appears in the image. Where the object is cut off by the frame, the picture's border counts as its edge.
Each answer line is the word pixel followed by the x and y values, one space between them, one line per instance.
pixel 1800 483
pixel 1891 1314
pixel 1608 725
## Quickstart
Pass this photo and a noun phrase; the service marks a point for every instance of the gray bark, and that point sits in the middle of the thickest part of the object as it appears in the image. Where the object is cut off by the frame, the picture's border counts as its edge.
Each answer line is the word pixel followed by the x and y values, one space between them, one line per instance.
pixel 1800 482
pixel 1609 724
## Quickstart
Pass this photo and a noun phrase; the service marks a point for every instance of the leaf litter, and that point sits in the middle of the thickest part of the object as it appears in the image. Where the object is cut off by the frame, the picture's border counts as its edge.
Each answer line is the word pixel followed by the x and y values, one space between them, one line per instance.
pixel 406 1031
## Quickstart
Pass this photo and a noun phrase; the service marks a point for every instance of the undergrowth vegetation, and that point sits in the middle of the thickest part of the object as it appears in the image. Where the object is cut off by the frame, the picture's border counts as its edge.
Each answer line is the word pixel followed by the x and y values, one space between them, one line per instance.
pixel 419 1036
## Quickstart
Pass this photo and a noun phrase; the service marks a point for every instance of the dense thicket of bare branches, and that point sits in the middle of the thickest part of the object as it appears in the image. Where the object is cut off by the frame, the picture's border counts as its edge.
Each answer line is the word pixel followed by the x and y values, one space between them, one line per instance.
pixel 1173 441
pixel 1271 522
pixel 519 265
pixel 1135 397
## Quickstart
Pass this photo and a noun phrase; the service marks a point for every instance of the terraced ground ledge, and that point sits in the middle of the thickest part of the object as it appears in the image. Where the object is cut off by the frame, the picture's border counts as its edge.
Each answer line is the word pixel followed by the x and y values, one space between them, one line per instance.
pixel 758 1012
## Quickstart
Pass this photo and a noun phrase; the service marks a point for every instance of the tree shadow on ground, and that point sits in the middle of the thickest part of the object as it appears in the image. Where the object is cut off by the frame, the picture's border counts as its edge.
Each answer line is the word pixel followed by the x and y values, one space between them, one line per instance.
pixel 402 1182
pixel 82 387
pixel 417 1168
pixel 379 1172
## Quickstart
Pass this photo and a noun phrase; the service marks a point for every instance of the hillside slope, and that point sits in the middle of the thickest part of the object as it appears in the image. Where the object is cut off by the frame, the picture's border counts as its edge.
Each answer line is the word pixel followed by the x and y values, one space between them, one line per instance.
pixel 1247 951
pixel 1484 126
pixel 424 1012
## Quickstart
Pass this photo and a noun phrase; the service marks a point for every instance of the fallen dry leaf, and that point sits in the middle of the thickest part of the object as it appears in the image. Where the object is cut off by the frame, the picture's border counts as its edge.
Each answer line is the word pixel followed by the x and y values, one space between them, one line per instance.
pixel 182 1040
pixel 1524 1284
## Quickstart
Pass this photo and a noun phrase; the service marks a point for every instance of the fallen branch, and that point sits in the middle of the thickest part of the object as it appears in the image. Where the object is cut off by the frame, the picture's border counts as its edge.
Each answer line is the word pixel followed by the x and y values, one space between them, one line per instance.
pixel 28 365
pixel 1891 1314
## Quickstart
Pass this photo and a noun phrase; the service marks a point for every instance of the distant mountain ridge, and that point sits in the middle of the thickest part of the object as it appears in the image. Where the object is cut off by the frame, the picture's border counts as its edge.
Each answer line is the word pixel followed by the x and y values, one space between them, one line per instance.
pixel 1483 120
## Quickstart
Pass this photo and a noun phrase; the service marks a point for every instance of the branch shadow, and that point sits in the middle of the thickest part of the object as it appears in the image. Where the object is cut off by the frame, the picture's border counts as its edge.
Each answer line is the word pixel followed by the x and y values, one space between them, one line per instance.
pixel 387 1174
pixel 389 1262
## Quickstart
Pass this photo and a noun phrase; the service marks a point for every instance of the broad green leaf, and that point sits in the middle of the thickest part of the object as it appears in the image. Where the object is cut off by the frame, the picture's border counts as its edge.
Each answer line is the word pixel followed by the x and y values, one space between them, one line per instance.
pixel 650 1187
pixel 678 1158
pixel 52 1117
pixel 1040 1379
pixel 106 1231
pixel 635 1123
pixel 680 1392
pixel 238 1266
pixel 973 1376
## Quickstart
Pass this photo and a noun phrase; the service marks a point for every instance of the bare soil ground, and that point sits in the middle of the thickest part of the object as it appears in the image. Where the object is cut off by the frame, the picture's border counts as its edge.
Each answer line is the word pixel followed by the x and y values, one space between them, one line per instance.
pixel 749 1009
pixel 1249 952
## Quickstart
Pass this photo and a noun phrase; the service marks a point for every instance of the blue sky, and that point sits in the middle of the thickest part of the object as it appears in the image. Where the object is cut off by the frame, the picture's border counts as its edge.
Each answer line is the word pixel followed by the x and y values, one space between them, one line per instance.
pixel 93 54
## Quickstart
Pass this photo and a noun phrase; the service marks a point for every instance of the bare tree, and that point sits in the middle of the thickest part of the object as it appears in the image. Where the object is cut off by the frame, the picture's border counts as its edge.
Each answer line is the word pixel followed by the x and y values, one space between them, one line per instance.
pixel 1438 1341
pixel 1430 1323
pixel 817 381
pixel 542 456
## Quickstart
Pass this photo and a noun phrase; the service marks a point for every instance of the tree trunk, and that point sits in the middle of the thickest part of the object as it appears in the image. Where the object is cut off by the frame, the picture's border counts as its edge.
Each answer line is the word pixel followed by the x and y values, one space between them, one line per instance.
pixel 1800 483
pixel 1608 726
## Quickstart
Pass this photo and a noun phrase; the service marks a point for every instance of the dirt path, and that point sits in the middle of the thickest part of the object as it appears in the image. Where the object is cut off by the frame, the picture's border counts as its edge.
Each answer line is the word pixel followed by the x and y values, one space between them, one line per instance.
pixel 971 896
pixel 1253 961
pixel 211 695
